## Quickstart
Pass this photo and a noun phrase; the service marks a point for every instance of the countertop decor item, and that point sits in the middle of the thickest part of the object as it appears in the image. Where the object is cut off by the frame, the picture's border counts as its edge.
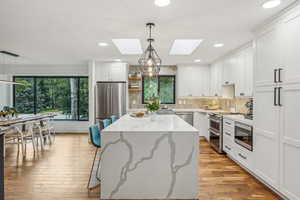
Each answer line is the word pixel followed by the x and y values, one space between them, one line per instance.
pixel 150 61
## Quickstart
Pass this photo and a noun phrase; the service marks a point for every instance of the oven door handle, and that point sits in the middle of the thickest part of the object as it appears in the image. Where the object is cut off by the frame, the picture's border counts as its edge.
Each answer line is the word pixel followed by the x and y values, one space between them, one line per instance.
pixel 214 132
pixel 214 120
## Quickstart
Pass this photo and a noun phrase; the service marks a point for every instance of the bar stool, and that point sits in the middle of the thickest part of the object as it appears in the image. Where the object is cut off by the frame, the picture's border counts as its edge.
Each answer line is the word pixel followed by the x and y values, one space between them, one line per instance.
pixel 113 118
pixel 95 137
pixel 105 123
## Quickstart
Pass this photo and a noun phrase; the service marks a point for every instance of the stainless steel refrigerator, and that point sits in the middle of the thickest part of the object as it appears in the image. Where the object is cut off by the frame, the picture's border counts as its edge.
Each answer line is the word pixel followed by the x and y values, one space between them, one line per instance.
pixel 111 99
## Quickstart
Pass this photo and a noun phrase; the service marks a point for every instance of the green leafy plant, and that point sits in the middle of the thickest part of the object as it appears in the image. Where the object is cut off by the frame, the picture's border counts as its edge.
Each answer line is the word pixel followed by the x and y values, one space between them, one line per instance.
pixel 153 104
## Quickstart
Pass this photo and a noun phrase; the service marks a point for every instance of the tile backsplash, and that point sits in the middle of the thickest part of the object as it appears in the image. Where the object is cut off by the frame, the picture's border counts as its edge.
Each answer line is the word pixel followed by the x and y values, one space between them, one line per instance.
pixel 233 105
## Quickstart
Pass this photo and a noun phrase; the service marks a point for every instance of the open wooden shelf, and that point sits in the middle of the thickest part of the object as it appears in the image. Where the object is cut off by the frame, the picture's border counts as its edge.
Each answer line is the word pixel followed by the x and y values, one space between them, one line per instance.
pixel 135 78
pixel 134 89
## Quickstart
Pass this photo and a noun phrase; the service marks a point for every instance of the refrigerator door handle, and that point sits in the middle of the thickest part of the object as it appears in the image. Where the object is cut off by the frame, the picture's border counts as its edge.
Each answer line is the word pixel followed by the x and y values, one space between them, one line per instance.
pixel 275 96
pixel 279 96
pixel 275 75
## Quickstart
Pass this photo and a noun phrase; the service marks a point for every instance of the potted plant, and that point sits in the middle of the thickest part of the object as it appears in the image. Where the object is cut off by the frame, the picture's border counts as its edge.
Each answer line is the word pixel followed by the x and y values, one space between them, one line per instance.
pixel 153 105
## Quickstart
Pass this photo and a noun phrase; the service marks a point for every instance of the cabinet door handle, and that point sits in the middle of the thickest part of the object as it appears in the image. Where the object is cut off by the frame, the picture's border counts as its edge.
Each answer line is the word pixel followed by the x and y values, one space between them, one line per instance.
pixel 279 96
pixel 279 75
pixel 242 156
pixel 227 123
pixel 242 94
pixel 227 133
pixel 275 75
pixel 227 147
pixel 275 96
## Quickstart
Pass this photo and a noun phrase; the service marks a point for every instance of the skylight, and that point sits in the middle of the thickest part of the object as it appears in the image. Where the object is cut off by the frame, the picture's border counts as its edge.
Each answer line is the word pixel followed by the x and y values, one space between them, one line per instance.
pixel 128 46
pixel 184 47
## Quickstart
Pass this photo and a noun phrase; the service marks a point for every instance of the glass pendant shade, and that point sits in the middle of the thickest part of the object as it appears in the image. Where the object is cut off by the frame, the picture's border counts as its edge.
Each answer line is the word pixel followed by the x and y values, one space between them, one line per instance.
pixel 150 61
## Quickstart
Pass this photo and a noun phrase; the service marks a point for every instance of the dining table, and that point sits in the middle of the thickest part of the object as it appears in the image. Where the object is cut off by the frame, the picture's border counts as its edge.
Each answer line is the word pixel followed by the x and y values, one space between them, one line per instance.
pixel 5 125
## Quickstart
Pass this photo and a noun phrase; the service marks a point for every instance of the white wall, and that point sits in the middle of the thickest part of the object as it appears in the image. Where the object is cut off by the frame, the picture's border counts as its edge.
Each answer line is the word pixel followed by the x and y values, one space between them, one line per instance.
pixel 7 71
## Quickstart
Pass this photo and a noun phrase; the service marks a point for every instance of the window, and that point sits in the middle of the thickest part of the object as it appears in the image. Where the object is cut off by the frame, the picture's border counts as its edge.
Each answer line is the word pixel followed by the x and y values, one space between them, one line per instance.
pixel 65 96
pixel 162 86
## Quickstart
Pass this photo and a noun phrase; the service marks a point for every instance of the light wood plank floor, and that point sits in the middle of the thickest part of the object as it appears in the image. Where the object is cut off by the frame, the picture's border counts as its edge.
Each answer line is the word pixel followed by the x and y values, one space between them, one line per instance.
pixel 61 173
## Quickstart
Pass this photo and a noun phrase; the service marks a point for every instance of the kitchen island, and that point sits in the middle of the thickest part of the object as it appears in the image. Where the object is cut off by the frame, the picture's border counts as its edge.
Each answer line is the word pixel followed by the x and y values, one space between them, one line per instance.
pixel 146 159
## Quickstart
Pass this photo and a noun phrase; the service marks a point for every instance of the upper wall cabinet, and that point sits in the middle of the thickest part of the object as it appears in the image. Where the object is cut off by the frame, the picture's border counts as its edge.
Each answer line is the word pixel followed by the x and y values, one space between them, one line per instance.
pixel 111 71
pixel 268 56
pixel 238 70
pixel 193 81
pixel 216 79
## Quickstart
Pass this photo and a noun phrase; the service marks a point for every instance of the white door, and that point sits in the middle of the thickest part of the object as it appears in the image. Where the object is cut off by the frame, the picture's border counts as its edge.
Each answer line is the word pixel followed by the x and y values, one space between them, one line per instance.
pixel 268 56
pixel 290 141
pixel 266 136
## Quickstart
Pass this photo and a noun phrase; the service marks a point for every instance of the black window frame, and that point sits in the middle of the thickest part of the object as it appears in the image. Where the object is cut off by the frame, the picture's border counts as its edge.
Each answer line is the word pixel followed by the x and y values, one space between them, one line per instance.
pixel 35 93
pixel 158 88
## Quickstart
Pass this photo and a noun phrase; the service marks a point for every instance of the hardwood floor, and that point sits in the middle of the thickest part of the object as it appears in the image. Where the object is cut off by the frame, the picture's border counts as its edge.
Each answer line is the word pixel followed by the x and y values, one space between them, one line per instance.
pixel 61 172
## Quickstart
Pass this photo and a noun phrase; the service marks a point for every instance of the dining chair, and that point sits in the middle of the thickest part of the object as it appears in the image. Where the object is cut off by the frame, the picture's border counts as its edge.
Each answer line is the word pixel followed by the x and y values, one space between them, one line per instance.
pixel 21 134
pixel 95 137
pixel 45 130
pixel 13 136
pixel 113 118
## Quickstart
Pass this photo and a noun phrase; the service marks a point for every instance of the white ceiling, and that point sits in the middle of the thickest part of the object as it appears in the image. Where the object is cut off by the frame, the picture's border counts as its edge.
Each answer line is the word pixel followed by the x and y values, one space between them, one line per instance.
pixel 68 31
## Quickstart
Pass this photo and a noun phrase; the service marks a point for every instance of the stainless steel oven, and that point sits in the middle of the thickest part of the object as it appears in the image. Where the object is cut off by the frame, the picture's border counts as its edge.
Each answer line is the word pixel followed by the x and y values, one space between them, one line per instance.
pixel 243 135
pixel 215 131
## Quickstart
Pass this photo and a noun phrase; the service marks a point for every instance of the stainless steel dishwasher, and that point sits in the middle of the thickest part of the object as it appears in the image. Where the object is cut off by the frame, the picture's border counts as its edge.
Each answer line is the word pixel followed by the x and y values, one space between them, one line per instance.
pixel 186 116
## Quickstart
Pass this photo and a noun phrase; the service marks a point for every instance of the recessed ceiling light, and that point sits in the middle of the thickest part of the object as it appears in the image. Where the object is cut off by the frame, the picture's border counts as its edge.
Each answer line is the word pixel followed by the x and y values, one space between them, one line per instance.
pixel 197 60
pixel 217 45
pixel 162 3
pixel 102 44
pixel 184 47
pixel 128 46
pixel 117 60
pixel 271 4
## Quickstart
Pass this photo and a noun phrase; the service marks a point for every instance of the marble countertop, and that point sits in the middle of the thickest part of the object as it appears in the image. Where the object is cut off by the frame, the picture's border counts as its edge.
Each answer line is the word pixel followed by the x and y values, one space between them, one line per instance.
pixel 181 110
pixel 239 118
pixel 161 124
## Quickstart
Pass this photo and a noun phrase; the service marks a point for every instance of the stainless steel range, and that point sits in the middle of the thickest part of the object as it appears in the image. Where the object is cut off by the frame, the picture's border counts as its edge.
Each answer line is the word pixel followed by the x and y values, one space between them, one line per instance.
pixel 216 131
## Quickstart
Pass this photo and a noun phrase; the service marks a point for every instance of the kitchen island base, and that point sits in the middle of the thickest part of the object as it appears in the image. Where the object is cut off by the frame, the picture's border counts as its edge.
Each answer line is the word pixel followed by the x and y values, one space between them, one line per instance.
pixel 149 165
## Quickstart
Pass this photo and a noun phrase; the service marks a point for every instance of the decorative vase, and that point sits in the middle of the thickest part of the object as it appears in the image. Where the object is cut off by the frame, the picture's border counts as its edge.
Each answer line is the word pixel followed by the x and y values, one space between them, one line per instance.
pixel 153 116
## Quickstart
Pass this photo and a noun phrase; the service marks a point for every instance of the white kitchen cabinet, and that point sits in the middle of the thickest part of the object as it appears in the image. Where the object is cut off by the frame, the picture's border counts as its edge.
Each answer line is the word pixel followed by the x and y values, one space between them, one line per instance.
pixel 216 79
pixel 248 72
pixel 237 70
pixel 266 136
pixel 201 123
pixel 289 120
pixel 228 71
pixel 276 135
pixel 197 121
pixel 290 141
pixel 268 56
pixel 193 81
pixel 111 71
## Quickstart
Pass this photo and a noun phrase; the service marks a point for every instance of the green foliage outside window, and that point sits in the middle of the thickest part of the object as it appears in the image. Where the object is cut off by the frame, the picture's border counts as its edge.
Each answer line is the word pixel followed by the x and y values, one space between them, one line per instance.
pixel 65 96
pixel 161 86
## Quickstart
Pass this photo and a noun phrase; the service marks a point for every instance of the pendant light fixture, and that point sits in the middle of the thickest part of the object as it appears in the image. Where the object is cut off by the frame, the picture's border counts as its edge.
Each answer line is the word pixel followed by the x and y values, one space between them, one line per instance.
pixel 150 61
